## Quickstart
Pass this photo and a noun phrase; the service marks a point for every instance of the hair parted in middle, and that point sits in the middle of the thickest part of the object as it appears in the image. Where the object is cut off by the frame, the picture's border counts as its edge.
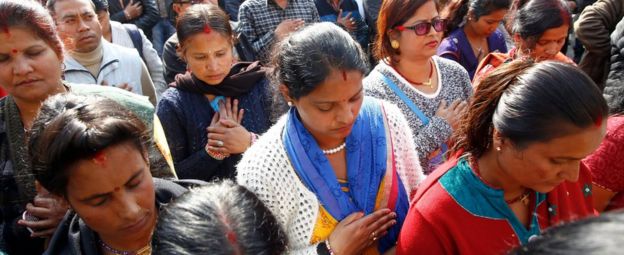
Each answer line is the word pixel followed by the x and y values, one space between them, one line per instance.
pixel 393 13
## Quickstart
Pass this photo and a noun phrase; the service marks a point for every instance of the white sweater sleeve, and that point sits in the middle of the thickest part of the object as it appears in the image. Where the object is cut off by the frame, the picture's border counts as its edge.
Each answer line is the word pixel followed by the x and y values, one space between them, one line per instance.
pixel 266 170
pixel 406 156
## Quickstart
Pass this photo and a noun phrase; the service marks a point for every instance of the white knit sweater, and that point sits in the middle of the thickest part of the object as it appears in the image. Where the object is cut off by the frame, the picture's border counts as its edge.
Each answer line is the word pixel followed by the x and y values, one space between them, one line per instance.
pixel 266 170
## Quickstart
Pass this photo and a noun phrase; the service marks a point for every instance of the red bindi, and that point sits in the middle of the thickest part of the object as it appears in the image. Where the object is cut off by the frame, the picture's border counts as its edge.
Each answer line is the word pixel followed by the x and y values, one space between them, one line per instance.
pixel 14 51
pixel 99 158
pixel 231 236
pixel 598 121
pixel 116 189
pixel 5 29
pixel 207 29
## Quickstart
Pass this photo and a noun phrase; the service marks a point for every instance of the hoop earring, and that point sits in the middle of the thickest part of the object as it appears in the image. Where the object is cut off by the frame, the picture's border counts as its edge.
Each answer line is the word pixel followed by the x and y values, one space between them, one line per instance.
pixel 395 44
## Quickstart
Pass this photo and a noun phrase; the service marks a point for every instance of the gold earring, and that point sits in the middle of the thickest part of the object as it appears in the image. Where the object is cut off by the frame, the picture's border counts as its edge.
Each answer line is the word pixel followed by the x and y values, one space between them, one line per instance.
pixel 498 148
pixel 394 44
pixel 290 103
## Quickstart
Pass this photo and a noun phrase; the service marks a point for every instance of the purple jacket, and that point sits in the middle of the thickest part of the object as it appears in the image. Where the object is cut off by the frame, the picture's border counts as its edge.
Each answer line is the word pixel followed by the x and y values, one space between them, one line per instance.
pixel 456 47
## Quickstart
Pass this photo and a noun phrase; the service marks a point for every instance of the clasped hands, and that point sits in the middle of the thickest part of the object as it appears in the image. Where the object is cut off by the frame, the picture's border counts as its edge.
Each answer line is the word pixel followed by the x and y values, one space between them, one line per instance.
pixel 226 135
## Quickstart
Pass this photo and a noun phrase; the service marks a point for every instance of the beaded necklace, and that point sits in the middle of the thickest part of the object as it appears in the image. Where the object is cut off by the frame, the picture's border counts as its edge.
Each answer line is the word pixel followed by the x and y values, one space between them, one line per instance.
pixel 524 197
pixel 143 251
pixel 426 83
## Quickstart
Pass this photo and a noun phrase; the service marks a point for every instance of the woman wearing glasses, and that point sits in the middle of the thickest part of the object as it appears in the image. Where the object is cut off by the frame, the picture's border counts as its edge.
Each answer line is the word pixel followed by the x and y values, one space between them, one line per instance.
pixel 431 91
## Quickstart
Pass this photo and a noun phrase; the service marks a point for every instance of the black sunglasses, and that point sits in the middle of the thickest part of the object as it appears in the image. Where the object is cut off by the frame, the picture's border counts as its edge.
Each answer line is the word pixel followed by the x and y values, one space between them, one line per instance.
pixel 423 28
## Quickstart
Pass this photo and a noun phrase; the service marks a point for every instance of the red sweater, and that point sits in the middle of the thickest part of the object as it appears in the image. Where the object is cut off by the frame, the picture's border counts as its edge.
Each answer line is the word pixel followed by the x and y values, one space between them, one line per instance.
pixel 606 164
pixel 456 213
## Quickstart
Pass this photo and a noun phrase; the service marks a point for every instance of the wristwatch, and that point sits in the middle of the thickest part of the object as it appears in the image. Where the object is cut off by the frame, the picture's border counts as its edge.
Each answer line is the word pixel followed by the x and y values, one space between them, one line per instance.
pixel 321 249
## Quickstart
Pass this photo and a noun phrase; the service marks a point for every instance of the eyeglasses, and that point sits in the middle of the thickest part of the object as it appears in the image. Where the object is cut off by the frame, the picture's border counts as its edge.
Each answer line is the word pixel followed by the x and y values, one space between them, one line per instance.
pixel 423 28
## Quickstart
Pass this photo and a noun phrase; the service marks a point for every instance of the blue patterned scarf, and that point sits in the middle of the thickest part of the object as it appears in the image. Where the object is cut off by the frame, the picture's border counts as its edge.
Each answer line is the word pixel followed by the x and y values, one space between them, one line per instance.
pixel 366 167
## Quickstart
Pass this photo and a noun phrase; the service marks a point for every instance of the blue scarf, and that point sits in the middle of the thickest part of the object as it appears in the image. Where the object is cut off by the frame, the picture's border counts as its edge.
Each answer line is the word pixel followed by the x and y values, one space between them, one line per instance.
pixel 366 167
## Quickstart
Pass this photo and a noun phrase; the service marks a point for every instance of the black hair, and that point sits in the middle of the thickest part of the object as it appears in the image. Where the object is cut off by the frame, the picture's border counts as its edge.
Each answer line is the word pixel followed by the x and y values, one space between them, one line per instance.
pixel 393 13
pixel 72 127
pixel 202 18
pixel 596 235
pixel 51 5
pixel 100 5
pixel 478 8
pixel 529 102
pixel 306 58
pixel 219 218
pixel 530 19
pixel 34 17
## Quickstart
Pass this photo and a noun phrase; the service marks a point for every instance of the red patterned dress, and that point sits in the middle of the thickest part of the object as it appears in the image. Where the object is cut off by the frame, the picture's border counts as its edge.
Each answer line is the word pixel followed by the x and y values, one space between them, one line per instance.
pixel 607 162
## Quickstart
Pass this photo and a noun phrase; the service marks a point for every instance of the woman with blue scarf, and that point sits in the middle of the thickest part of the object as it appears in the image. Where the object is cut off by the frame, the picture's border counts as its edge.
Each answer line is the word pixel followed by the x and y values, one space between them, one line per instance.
pixel 338 169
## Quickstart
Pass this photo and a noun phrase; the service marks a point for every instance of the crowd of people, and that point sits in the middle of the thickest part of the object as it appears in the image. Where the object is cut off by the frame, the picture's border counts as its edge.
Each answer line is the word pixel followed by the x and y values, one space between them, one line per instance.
pixel 325 127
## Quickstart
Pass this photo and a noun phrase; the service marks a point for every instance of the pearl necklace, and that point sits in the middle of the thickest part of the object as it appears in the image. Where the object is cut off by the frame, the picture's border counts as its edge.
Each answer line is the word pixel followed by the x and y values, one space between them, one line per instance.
pixel 335 150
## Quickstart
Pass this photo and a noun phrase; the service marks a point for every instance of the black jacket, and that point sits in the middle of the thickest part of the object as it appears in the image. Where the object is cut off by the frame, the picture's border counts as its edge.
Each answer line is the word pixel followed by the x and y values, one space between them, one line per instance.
pixel 146 21
pixel 614 86
pixel 231 8
pixel 74 237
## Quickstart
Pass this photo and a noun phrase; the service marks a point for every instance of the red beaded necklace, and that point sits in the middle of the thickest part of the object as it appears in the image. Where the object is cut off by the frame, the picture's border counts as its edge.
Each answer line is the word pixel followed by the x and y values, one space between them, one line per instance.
pixel 426 83
pixel 524 197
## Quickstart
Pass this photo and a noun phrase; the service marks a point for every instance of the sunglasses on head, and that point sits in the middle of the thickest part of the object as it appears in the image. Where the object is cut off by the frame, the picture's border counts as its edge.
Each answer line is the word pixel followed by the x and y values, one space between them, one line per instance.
pixel 423 28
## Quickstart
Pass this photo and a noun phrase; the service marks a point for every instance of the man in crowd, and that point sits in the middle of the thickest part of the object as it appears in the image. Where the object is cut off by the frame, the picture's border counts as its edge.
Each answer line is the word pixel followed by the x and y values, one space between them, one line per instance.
pixel 93 60
pixel 130 36
pixel 265 22
pixel 165 26
pixel 143 13
pixel 593 29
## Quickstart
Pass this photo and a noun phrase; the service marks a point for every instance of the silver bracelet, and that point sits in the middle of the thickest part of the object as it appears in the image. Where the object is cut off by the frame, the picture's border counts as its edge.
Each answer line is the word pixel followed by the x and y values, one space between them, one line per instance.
pixel 331 252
